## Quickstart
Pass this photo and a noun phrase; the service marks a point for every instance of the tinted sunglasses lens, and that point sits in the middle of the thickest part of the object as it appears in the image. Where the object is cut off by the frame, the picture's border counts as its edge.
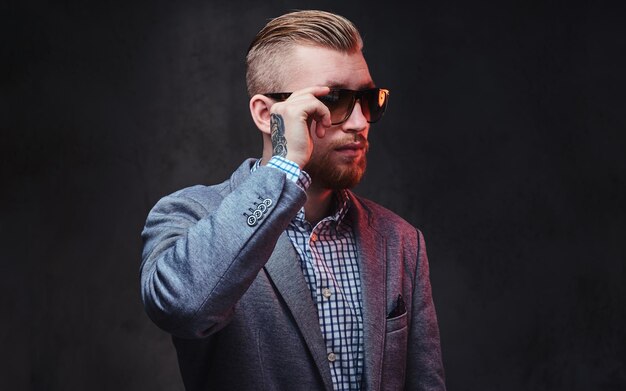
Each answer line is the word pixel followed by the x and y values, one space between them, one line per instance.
pixel 340 104
pixel 374 104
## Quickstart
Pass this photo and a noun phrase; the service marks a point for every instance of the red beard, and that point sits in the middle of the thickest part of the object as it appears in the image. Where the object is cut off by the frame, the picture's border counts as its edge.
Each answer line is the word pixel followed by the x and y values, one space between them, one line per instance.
pixel 331 171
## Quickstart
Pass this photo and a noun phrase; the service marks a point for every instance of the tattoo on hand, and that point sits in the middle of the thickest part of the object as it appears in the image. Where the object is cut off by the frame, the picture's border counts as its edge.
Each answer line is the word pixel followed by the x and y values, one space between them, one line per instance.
pixel 279 142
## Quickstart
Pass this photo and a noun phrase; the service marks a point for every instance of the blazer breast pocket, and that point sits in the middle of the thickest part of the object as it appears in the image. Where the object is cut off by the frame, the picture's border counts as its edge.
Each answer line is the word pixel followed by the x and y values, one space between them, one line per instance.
pixel 394 357
pixel 397 323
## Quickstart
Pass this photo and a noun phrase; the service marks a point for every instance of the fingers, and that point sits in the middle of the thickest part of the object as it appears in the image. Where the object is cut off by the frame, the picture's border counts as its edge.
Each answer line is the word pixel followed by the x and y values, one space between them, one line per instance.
pixel 315 91
pixel 320 128
pixel 304 102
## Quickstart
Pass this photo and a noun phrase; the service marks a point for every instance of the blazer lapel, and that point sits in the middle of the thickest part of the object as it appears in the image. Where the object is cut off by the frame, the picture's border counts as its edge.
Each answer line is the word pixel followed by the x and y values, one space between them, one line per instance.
pixel 372 265
pixel 284 269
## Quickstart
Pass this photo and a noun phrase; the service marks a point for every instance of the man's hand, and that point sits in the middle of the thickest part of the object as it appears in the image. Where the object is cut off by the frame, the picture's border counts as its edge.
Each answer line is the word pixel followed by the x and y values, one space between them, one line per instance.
pixel 293 121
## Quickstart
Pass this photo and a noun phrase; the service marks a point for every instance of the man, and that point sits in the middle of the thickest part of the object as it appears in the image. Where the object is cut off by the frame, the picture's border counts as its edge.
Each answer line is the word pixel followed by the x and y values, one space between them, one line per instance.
pixel 280 278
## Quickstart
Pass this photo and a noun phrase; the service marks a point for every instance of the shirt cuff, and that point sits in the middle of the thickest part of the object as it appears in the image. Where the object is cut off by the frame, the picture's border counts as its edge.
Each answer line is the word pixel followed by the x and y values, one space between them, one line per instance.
pixel 293 171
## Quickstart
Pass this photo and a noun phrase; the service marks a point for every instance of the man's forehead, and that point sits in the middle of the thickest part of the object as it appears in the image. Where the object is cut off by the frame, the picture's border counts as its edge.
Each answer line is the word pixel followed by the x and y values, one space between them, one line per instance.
pixel 306 66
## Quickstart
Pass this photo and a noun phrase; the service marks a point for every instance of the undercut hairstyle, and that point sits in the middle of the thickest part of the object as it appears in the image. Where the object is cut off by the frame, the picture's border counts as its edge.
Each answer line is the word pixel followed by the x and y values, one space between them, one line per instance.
pixel 272 46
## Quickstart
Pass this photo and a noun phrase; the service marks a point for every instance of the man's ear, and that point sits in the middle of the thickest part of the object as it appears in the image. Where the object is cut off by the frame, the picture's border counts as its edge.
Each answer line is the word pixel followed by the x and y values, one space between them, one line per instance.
pixel 260 110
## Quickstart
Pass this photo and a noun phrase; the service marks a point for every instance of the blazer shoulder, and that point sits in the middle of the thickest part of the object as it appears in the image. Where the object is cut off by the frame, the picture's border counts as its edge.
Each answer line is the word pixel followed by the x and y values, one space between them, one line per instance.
pixel 209 196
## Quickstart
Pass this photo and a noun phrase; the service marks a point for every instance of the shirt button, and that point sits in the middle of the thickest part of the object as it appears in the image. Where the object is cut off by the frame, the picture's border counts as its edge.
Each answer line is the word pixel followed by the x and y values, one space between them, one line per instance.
pixel 313 237
pixel 332 357
pixel 326 293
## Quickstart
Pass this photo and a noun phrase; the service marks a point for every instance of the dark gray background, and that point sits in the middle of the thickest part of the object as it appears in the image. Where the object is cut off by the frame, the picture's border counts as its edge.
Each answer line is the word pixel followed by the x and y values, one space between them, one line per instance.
pixel 504 142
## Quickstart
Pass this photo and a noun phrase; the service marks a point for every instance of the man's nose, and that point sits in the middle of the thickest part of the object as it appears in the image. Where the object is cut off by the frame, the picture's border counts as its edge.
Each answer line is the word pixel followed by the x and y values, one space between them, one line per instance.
pixel 356 122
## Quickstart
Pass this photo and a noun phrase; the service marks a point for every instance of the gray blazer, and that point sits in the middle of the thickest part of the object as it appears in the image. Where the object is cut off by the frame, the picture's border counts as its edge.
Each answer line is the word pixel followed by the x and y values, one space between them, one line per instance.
pixel 234 298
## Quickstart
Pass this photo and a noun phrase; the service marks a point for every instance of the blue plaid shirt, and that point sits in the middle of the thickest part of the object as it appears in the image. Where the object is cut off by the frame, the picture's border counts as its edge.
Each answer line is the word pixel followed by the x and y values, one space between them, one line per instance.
pixel 329 261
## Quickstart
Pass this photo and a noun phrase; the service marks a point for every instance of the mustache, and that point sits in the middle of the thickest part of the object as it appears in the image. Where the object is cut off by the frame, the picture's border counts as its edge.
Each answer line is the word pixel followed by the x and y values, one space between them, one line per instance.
pixel 349 140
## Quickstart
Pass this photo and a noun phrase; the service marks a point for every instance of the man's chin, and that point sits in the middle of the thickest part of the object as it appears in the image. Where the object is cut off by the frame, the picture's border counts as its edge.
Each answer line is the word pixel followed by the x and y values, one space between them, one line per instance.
pixel 337 178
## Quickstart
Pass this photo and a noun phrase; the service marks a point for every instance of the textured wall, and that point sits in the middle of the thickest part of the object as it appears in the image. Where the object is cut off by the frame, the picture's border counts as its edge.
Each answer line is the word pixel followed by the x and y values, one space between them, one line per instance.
pixel 504 142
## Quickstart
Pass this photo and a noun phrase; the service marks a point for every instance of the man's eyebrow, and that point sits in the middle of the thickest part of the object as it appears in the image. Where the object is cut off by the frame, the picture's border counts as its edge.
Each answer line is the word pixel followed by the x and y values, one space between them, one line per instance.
pixel 337 85
pixel 367 85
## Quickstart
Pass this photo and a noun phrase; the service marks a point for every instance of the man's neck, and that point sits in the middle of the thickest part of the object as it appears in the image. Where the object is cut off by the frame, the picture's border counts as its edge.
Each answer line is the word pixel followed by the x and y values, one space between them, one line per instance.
pixel 318 204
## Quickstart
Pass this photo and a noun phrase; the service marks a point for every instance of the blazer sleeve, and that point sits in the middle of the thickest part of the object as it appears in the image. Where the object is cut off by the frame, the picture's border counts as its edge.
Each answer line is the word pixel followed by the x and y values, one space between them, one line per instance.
pixel 424 363
pixel 200 255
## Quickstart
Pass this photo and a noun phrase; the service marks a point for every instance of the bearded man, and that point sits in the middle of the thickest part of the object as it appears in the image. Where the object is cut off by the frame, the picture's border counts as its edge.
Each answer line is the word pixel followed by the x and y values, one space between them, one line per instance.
pixel 281 278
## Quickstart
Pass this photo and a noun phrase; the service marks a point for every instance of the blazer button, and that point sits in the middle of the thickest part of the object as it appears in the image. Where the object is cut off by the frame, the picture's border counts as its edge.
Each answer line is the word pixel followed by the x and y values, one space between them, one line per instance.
pixel 251 220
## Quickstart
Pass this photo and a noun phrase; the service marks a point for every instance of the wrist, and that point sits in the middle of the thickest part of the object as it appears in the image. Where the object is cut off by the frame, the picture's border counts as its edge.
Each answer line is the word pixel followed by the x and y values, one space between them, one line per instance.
pixel 292 170
pixel 298 159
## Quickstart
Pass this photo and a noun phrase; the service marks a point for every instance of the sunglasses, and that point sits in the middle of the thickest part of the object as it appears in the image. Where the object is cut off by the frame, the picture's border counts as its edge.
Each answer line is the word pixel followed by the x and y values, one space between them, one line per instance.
pixel 341 102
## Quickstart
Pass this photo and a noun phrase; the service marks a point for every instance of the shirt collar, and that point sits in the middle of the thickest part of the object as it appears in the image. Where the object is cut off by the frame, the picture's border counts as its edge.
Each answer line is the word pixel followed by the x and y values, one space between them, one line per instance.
pixel 341 204
pixel 256 165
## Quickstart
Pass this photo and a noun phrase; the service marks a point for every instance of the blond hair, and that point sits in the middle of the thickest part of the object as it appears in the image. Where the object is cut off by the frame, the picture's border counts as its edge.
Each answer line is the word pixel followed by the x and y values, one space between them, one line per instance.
pixel 269 49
